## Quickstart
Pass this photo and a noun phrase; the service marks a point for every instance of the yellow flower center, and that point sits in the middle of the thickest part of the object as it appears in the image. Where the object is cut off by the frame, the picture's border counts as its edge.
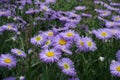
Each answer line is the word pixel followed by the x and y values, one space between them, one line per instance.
pixel 69 34
pixel 117 18
pixel 45 8
pixel 50 33
pixel 7 60
pixel 38 38
pixel 48 42
pixel 9 27
pixel 66 66
pixel 62 42
pixel 19 52
pixel 81 43
pixel 50 54
pixel 104 34
pixel 104 12
pixel 118 68
pixel 89 43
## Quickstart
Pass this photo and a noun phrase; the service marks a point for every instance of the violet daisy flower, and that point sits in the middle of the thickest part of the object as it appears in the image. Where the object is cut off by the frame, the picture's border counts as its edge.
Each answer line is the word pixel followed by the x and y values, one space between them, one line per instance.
pixel 118 55
pixel 80 8
pixel 18 52
pixel 116 18
pixel 105 13
pixel 50 56
pixel 80 42
pixel 110 24
pixel 89 44
pixel 115 68
pixel 50 1
pixel 74 78
pixel 68 35
pixel 7 60
pixel 10 26
pixel 10 78
pixel 61 43
pixel 102 33
pixel 67 66
pixel 5 13
pixel 38 40
pixel 49 34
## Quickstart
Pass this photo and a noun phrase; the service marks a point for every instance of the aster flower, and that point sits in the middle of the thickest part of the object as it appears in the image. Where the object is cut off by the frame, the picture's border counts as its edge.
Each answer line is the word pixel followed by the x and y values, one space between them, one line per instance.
pixel 86 15
pixel 68 35
pixel 118 55
pixel 114 4
pixel 115 68
pixel 50 56
pixel 80 8
pixel 61 43
pixel 38 40
pixel 43 7
pixel 80 42
pixel 5 13
pixel 67 66
pixel 70 25
pixel 105 13
pixel 10 26
pixel 10 78
pixel 89 44
pixel 102 33
pixel 74 78
pixel 50 34
pixel 7 60
pixel 110 24
pixel 116 18
pixel 50 1
pixel 18 52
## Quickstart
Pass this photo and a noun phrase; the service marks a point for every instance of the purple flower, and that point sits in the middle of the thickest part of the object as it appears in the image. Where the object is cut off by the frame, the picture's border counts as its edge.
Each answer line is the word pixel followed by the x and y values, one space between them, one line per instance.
pixel 18 52
pixel 10 78
pixel 50 1
pixel 74 78
pixel 80 8
pixel 68 35
pixel 115 4
pixel 89 44
pixel 110 24
pixel 10 26
pixel 38 40
pixel 50 56
pixel 7 60
pixel 5 13
pixel 118 55
pixel 115 68
pixel 105 13
pixel 102 33
pixel 67 66
pixel 80 42
pixel 116 18
pixel 61 43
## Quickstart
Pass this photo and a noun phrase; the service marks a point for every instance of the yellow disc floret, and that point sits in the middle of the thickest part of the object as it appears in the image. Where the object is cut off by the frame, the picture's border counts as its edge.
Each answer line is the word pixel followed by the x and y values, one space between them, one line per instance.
pixel 69 34
pixel 7 60
pixel 50 54
pixel 62 42
pixel 66 66
pixel 104 34
pixel 118 68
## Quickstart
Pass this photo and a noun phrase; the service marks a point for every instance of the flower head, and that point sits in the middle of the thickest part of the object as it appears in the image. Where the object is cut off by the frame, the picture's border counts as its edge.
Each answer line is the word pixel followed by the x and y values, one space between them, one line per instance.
pixel 67 66
pixel 7 60
pixel 102 33
pixel 50 56
pixel 115 68
pixel 18 52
